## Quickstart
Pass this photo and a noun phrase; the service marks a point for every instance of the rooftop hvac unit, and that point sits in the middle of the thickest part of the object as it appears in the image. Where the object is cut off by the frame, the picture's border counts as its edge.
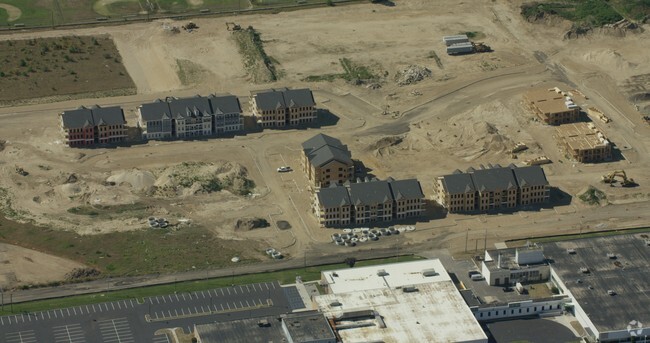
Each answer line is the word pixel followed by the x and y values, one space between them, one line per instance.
pixel 335 303
pixel 647 242
pixel 429 272
pixel 584 270
pixel 409 289
pixel 611 256
pixel 571 251
pixel 611 292
pixel 382 272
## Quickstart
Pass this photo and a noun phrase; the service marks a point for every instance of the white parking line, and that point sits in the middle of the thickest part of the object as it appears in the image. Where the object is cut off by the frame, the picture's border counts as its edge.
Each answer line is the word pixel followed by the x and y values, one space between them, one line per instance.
pixel 106 305
pixel 241 304
pixel 267 286
pixel 20 337
pixel 247 304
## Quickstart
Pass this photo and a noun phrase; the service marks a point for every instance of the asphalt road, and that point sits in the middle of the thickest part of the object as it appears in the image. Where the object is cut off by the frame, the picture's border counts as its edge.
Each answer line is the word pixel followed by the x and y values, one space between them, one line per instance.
pixel 129 321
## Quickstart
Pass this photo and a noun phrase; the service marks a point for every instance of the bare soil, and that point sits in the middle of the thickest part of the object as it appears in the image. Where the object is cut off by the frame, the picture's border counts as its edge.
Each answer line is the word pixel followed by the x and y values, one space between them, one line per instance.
pixel 37 68
pixel 469 112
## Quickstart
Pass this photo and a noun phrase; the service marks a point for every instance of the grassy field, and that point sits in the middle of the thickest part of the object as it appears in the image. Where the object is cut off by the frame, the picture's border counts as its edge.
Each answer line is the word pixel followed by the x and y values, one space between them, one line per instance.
pixel 284 276
pixel 589 12
pixel 57 12
pixel 521 242
pixel 57 66
pixel 136 252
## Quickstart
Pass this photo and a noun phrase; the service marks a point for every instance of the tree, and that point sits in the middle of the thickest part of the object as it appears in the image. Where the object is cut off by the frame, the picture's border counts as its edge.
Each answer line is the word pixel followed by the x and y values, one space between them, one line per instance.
pixel 350 261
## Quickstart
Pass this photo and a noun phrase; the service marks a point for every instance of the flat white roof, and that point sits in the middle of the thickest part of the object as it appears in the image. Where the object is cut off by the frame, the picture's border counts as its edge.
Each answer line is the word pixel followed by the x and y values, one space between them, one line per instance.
pixel 393 276
pixel 436 312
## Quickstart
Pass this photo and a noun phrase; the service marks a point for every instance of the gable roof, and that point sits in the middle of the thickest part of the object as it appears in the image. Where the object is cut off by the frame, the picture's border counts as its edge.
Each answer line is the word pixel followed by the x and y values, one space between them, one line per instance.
pixel 222 104
pixel 494 179
pixel 322 149
pixel 319 140
pixel 458 183
pixel 94 116
pixel 530 176
pixel 156 110
pixel 269 100
pixel 406 189
pixel 189 107
pixel 333 196
pixel 367 193
pixel 272 99
pixel 299 98
pixel 113 115
pixel 77 118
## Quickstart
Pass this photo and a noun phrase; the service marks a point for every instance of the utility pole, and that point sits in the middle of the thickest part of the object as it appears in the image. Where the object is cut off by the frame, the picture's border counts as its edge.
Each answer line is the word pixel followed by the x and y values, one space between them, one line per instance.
pixel 466 238
pixel 485 241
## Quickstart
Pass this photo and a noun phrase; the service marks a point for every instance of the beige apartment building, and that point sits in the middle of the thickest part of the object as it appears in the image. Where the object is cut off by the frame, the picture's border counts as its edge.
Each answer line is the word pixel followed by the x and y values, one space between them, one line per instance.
pixel 493 188
pixel 283 107
pixel 584 142
pixel 552 106
pixel 326 161
pixel 368 202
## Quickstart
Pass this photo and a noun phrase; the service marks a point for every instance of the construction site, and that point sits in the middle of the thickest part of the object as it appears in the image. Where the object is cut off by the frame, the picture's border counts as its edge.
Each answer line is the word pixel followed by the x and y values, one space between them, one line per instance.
pixel 382 82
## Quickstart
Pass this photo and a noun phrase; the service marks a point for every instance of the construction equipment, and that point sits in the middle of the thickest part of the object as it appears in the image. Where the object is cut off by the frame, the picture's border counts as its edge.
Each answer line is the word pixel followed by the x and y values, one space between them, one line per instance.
pixel 625 181
pixel 596 113
pixel 481 47
pixel 230 26
pixel 190 26
pixel 538 161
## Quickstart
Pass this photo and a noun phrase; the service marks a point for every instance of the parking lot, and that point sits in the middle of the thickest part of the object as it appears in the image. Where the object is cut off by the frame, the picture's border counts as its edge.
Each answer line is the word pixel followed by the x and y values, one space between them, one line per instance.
pixel 127 321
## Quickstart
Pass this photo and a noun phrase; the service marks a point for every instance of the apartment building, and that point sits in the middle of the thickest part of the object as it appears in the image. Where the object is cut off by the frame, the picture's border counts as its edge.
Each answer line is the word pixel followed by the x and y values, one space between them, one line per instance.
pixel 584 142
pixel 326 161
pixel 283 107
pixel 372 202
pixel 408 199
pixel 368 202
pixel 492 188
pixel 190 117
pixel 552 106
pixel 456 192
pixel 496 188
pixel 333 207
pixel 95 125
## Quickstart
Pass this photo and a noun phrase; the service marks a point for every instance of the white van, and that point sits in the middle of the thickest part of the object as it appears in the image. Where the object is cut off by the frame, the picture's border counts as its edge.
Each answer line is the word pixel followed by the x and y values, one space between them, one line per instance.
pixel 477 277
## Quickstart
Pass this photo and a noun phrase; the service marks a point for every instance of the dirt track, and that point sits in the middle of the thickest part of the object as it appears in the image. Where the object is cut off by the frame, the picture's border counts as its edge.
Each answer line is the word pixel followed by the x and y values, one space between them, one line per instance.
pixel 482 89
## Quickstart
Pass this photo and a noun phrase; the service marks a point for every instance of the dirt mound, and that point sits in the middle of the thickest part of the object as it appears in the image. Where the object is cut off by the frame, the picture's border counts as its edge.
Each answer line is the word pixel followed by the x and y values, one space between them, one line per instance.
pixel 385 144
pixel 138 179
pixel 190 178
pixel 607 58
pixel 247 224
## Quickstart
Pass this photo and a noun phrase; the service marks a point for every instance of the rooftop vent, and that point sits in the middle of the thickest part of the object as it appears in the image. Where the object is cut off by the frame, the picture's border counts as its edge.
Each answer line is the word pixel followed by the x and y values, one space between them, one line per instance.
pixel 611 292
pixel 571 251
pixel 584 270
pixel 335 304
pixel 263 323
pixel 647 242
pixel 429 272
pixel 409 289
pixel 382 272
pixel 611 256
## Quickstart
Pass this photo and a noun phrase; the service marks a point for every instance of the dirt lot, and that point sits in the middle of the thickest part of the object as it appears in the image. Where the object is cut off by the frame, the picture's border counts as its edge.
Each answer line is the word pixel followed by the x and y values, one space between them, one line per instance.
pixel 37 68
pixel 467 113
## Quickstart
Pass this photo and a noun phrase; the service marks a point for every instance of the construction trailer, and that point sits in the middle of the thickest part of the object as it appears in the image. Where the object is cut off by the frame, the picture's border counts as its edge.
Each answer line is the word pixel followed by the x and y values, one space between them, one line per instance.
pixel 460 48
pixel 456 39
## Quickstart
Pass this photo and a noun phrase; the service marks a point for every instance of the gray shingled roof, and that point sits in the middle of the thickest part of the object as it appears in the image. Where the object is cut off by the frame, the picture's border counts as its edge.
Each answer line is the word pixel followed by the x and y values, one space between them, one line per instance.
pixel 334 196
pixel 530 176
pixel 406 189
pixel 189 107
pixel 156 110
pixel 322 149
pixel 328 153
pixel 367 193
pixel 223 104
pixel 77 118
pixel 459 183
pixel 269 100
pixel 94 116
pixel 496 179
pixel 319 140
pixel 108 115
pixel 299 98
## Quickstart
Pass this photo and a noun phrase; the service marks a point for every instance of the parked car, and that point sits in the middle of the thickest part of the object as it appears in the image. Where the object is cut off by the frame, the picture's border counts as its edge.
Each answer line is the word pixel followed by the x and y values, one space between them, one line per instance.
pixel 284 169
pixel 475 275
pixel 508 289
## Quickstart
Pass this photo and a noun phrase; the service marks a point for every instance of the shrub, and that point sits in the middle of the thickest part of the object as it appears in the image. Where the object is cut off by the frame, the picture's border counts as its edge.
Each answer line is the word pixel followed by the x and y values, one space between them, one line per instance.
pixel 23 63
